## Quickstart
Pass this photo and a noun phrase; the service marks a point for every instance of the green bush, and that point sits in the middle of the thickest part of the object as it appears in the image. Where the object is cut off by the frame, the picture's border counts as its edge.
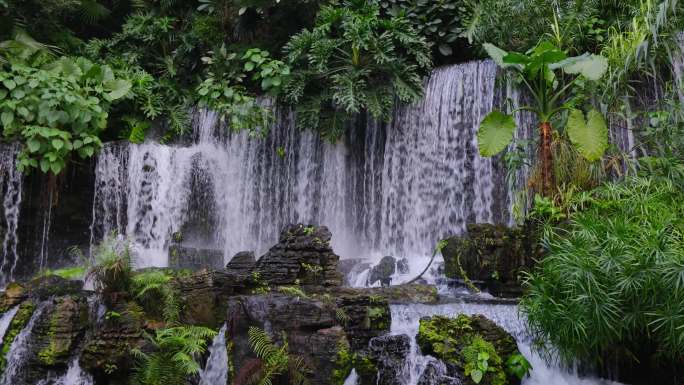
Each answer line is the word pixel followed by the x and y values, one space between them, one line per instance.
pixel 56 109
pixel 612 284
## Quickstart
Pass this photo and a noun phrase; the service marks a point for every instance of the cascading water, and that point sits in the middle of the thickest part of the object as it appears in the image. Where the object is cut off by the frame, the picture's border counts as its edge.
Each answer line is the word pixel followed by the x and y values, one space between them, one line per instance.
pixel 19 351
pixel 74 375
pixel 392 189
pixel 11 188
pixel 6 319
pixel 215 371
pixel 405 320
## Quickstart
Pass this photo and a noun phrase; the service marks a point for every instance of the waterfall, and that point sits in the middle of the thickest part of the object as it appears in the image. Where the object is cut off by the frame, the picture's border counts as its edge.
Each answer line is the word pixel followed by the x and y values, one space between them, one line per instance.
pixel 215 371
pixel 388 188
pixel 11 188
pixel 5 321
pixel 405 320
pixel 19 351
pixel 352 378
pixel 74 375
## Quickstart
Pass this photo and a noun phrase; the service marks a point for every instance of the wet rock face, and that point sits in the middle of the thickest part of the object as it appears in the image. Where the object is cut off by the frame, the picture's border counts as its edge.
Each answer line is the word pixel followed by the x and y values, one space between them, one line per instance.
pixel 460 341
pixel 185 257
pixel 308 325
pixel 303 254
pixel 383 271
pixel 204 295
pixel 13 295
pixel 107 349
pixel 435 373
pixel 494 255
pixel 389 353
pixel 242 263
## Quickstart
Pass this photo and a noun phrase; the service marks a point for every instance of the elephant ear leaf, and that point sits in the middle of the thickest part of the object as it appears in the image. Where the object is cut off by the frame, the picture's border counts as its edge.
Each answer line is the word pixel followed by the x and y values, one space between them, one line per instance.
pixel 592 67
pixel 495 133
pixel 590 137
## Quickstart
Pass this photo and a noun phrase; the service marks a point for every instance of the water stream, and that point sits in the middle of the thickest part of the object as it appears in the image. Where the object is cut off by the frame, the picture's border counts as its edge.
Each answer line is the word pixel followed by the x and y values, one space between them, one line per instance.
pixel 11 183
pixel 6 320
pixel 20 349
pixel 215 372
pixel 405 320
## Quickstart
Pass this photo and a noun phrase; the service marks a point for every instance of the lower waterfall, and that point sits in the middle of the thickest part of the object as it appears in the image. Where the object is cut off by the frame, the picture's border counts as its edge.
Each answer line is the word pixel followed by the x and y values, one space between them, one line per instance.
pixel 6 320
pixel 405 320
pixel 18 353
pixel 216 369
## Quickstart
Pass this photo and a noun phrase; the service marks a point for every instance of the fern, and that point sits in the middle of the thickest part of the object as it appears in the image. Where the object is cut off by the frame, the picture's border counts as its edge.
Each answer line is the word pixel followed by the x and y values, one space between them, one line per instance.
pixel 274 361
pixel 172 359
pixel 154 290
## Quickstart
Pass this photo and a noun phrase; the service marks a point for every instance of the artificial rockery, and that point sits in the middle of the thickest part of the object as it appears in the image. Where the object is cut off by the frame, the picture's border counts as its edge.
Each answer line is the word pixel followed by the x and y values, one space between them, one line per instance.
pixel 286 318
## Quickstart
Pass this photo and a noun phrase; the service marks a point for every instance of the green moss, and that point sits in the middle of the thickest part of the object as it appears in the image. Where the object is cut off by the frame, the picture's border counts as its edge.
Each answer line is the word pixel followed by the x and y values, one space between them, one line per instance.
pixel 346 361
pixel 18 322
pixel 457 342
pixel 71 273
pixel 378 317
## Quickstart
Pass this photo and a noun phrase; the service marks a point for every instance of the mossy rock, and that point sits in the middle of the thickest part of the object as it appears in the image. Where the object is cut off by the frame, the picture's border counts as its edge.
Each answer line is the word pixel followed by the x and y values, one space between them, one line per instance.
pixel 461 341
pixel 14 293
pixel 494 255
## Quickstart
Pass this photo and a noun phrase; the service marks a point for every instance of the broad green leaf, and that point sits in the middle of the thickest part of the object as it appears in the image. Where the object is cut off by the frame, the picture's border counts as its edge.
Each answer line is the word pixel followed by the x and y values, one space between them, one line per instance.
pixel 56 167
pixel 3 94
pixel 476 376
pixel 33 144
pixel 9 83
pixel 592 67
pixel 495 133
pixel 44 165
pixel 57 144
pixel 590 137
pixel 117 88
pixel 7 118
pixel 496 53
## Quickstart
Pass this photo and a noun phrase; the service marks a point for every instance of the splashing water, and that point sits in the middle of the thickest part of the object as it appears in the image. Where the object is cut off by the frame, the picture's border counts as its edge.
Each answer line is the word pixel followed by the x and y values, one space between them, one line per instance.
pixel 74 375
pixel 11 186
pixel 216 370
pixel 405 320
pixel 6 319
pixel 20 349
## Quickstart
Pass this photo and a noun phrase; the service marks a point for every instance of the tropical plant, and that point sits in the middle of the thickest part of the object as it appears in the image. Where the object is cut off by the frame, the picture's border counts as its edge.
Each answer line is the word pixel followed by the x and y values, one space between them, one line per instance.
pixel 173 357
pixel 273 361
pixel 611 286
pixel 549 75
pixel 111 269
pixel 154 290
pixel 56 109
pixel 353 60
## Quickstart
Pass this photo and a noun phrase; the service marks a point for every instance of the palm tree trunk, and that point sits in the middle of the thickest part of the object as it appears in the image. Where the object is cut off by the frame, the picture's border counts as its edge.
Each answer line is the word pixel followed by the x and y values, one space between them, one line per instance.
pixel 546 160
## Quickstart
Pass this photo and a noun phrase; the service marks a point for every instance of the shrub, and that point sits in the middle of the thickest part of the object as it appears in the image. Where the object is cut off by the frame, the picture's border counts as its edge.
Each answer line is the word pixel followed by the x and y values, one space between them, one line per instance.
pixel 112 268
pixel 612 284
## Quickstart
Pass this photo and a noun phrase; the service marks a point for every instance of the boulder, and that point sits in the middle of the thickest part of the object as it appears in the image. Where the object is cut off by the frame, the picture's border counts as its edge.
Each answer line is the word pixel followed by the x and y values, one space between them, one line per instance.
pixel 59 330
pixel 193 258
pixel 204 294
pixel 13 295
pixel 46 286
pixel 309 326
pixel 242 263
pixel 383 271
pixel 496 255
pixel 389 354
pixel 107 348
pixel 303 254
pixel 399 294
pixel 366 316
pixel 458 342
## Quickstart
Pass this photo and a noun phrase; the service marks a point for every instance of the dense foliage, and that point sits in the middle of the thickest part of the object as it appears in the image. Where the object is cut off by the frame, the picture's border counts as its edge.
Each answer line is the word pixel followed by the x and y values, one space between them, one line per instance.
pixel 354 60
pixel 613 280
